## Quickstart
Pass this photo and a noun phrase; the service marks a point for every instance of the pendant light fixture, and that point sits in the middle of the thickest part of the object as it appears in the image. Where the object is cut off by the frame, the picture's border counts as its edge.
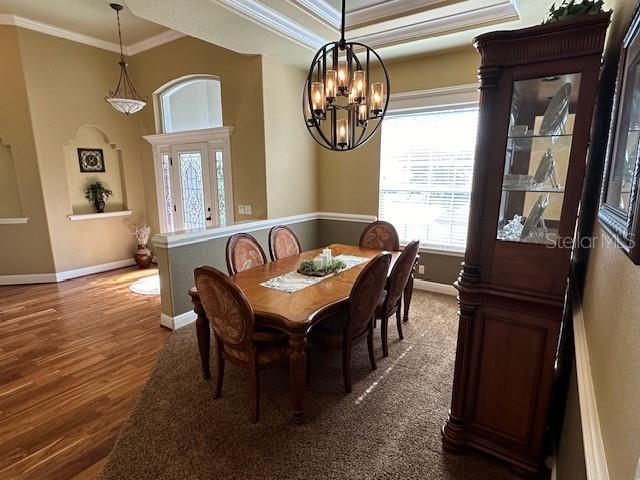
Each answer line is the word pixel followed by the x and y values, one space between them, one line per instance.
pixel 124 98
pixel 342 104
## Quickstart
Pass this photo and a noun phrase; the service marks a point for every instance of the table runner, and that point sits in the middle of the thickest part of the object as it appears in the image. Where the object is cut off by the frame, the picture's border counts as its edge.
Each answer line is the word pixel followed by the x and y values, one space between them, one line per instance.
pixel 291 282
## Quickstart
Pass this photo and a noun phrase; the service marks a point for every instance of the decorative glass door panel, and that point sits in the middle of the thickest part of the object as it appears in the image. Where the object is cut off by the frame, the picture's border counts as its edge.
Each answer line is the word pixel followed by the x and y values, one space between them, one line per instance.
pixel 537 158
pixel 220 188
pixel 169 205
pixel 194 201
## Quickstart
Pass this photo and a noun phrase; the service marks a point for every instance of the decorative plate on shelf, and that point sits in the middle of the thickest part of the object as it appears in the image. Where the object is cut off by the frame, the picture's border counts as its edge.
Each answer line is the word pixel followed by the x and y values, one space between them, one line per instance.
pixel 557 112
pixel 545 169
pixel 535 215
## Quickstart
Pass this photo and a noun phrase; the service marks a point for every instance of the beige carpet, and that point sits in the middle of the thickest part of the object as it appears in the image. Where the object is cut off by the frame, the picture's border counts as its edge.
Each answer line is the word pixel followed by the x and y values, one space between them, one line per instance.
pixel 389 427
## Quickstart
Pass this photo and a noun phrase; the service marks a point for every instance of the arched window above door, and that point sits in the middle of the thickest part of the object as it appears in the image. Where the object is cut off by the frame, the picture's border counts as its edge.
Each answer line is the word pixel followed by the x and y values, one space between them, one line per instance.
pixel 190 103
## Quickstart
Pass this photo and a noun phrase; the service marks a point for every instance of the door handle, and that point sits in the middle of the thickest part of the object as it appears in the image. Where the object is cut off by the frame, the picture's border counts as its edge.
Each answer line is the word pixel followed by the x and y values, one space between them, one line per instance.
pixel 208 219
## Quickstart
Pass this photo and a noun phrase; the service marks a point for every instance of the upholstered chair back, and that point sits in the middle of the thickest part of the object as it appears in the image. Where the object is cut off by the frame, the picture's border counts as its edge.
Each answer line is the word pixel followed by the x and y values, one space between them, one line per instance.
pixel 283 243
pixel 228 310
pixel 366 293
pixel 381 235
pixel 243 252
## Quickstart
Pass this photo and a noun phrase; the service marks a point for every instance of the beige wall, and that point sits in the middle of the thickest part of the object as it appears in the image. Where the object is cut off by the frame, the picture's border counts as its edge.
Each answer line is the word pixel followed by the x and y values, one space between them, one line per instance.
pixel 66 84
pixel 291 153
pixel 241 81
pixel 9 195
pixel 25 247
pixel 611 307
pixel 349 181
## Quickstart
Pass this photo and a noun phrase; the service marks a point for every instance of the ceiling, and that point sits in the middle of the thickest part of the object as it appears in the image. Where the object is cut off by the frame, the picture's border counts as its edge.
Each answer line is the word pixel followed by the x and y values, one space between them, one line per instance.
pixel 287 30
pixel 87 17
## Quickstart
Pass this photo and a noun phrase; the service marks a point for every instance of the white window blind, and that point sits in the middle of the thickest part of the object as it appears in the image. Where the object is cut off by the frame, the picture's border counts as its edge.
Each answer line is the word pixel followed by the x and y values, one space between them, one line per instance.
pixel 425 175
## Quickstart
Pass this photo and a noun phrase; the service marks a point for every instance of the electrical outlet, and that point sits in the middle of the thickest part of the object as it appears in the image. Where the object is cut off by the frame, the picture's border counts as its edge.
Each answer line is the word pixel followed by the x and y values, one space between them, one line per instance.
pixel 421 269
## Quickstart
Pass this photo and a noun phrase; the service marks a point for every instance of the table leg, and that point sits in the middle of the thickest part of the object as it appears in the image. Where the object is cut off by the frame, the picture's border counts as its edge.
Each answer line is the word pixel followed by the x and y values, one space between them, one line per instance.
pixel 297 371
pixel 204 339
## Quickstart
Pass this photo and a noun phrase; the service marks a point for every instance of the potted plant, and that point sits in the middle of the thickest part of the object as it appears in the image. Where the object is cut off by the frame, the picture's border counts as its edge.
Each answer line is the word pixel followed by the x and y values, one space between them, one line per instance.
pixel 569 8
pixel 141 233
pixel 97 194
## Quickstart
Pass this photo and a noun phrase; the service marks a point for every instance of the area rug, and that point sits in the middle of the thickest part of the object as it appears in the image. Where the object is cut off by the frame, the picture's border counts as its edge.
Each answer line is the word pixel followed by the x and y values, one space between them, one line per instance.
pixel 388 427
pixel 147 285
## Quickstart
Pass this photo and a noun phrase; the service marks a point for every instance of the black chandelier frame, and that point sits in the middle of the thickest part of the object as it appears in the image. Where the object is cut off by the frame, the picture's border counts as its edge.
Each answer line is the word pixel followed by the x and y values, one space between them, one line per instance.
pixel 317 72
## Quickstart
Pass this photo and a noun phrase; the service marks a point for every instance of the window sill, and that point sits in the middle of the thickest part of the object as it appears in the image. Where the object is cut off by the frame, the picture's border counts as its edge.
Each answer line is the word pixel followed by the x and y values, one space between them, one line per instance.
pixel 13 221
pixel 93 216
pixel 435 251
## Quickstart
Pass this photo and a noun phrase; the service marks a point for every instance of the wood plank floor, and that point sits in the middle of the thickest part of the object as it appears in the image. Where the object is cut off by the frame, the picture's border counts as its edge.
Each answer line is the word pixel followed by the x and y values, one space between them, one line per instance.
pixel 73 359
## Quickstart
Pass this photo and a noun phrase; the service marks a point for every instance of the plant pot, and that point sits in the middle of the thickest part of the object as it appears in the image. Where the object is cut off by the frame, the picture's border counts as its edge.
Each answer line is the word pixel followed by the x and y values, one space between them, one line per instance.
pixel 143 256
pixel 99 205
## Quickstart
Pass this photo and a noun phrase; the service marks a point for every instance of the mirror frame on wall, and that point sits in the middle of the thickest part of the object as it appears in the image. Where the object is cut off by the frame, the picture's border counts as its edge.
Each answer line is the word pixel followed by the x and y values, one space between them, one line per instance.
pixel 623 224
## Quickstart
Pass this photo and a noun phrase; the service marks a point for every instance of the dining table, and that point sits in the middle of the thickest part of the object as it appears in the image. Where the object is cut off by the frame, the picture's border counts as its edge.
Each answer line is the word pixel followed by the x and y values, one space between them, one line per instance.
pixel 294 313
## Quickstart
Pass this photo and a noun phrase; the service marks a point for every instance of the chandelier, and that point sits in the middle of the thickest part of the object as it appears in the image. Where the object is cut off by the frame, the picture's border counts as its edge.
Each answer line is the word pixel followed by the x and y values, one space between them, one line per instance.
pixel 342 107
pixel 124 98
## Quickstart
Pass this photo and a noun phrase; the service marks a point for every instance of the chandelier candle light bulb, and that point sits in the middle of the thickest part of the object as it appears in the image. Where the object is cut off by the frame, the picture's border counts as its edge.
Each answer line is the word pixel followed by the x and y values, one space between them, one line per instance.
pixel 362 114
pixel 331 82
pixel 343 77
pixel 359 85
pixel 377 98
pixel 343 132
pixel 317 97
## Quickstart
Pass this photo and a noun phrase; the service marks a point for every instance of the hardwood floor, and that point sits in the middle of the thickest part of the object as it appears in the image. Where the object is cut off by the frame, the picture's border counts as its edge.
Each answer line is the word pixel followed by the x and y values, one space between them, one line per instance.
pixel 73 359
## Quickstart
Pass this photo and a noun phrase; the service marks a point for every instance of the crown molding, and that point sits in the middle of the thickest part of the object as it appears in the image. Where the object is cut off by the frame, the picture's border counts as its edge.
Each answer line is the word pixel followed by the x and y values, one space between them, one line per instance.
pixel 141 46
pixel 275 21
pixel 497 12
pixel 322 10
pixel 152 42
pixel 385 10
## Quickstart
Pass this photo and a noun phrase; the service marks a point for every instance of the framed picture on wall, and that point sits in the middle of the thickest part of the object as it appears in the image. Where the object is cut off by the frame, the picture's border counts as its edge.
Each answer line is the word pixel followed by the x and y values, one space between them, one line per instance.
pixel 91 160
pixel 619 205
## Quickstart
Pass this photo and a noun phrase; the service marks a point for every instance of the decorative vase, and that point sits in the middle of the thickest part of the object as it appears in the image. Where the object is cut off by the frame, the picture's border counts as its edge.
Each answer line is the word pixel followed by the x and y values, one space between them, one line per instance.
pixel 99 205
pixel 143 256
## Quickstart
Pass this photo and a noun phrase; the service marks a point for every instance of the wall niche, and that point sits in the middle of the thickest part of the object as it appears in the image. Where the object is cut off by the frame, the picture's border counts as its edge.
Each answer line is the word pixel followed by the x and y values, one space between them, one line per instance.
pixel 91 137
pixel 10 206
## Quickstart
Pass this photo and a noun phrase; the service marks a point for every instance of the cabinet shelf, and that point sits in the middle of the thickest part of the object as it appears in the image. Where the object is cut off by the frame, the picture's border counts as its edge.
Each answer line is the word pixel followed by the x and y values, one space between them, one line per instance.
pixel 517 137
pixel 533 189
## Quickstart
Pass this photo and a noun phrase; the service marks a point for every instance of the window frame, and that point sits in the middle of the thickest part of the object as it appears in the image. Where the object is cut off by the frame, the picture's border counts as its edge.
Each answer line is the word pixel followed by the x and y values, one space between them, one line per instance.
pixel 416 102
pixel 173 84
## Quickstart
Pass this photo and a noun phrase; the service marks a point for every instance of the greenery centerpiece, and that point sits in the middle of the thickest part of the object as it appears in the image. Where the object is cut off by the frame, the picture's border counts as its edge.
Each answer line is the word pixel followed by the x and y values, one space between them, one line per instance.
pixel 569 8
pixel 316 269
pixel 97 194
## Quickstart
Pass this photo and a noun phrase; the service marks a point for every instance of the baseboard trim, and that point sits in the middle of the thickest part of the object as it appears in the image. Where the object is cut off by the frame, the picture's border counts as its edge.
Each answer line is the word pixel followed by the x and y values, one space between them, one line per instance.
pixel 435 287
pixel 594 453
pixel 32 278
pixel 179 321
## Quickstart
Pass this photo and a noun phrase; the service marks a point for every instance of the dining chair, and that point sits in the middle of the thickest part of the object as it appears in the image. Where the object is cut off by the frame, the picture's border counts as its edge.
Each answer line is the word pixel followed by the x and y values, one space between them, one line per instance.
pixel 384 236
pixel 283 243
pixel 381 235
pixel 390 302
pixel 355 321
pixel 236 337
pixel 243 252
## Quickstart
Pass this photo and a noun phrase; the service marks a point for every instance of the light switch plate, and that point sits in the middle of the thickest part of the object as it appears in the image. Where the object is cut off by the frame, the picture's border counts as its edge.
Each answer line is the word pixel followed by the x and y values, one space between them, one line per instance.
pixel 421 269
pixel 248 210
pixel 241 209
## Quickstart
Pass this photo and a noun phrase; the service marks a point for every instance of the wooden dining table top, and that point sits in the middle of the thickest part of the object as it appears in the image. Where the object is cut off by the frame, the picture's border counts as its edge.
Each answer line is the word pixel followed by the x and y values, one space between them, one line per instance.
pixel 298 311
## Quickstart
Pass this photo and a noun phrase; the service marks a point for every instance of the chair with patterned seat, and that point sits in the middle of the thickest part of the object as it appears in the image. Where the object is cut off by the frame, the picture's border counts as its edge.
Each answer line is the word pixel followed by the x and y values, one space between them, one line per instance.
pixel 243 252
pixel 236 338
pixel 389 304
pixel 283 243
pixel 355 320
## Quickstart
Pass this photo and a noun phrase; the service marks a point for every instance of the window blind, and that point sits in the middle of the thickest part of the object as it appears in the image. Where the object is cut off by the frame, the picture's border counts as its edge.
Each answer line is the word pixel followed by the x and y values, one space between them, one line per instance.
pixel 425 175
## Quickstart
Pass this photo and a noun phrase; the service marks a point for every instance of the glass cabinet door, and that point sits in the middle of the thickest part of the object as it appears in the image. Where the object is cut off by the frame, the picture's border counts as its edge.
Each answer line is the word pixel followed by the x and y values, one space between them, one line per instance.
pixel 537 158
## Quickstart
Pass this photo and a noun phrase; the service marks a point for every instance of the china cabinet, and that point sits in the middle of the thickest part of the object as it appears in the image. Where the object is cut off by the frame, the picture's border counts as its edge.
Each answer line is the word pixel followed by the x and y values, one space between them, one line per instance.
pixel 537 91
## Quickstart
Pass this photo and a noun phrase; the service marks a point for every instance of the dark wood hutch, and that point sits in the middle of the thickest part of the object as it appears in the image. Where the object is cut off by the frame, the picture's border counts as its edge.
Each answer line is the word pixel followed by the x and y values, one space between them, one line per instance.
pixel 538 87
